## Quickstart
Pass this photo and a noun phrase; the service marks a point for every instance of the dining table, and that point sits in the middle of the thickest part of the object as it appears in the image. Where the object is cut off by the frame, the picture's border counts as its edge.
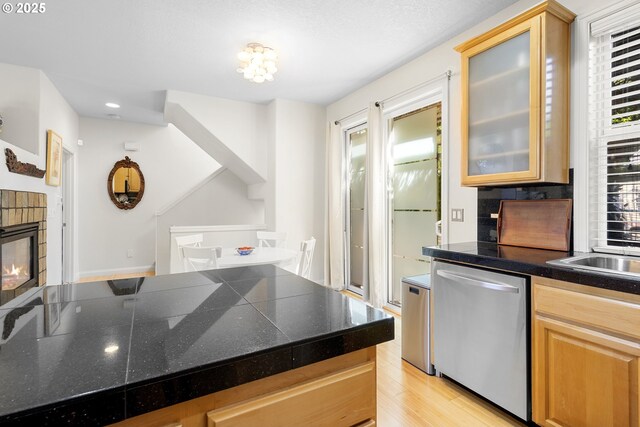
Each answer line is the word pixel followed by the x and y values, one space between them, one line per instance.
pixel 261 255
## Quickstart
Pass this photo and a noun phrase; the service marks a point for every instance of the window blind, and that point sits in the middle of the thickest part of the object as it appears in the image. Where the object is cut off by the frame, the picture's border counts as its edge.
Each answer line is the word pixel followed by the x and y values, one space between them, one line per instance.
pixel 614 121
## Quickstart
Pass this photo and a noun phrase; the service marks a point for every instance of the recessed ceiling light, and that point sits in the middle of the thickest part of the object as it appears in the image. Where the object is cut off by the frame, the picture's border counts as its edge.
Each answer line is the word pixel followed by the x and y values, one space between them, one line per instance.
pixel 112 105
pixel 111 349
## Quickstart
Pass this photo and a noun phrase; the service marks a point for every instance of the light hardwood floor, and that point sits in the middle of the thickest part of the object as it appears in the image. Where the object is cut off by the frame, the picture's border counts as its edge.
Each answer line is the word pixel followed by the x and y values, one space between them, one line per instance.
pixel 115 277
pixel 408 397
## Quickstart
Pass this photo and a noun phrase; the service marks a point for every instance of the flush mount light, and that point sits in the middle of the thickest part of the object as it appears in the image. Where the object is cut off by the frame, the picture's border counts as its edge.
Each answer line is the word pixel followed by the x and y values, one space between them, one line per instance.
pixel 258 63
pixel 112 105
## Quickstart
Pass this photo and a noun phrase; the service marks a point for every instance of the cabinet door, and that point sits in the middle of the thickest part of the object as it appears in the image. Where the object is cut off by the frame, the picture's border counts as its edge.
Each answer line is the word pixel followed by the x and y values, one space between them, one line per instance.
pixel 583 377
pixel 501 107
pixel 345 398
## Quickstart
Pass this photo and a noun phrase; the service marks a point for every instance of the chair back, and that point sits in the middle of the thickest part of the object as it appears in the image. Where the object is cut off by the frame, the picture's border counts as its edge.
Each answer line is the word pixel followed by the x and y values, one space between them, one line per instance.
pixel 303 267
pixel 271 239
pixel 196 259
pixel 190 240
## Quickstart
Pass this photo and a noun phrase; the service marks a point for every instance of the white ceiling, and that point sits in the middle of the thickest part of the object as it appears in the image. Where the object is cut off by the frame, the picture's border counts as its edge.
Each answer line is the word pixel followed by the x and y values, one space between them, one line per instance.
pixel 131 51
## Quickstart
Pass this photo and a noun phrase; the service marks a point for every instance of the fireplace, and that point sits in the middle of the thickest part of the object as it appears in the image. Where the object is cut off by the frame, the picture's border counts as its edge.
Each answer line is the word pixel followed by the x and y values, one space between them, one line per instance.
pixel 18 259
pixel 20 213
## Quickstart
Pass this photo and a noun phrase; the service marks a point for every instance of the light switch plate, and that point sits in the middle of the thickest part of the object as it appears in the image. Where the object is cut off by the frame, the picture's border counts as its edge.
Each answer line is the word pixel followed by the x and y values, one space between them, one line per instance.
pixel 457 215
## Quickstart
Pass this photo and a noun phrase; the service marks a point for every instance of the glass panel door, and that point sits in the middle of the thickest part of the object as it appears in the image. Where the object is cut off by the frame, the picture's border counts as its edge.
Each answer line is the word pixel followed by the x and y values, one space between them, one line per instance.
pixel 414 200
pixel 356 155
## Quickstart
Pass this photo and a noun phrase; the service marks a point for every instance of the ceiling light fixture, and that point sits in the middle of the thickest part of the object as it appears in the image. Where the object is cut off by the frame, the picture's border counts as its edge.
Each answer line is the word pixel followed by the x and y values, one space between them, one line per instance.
pixel 112 105
pixel 258 63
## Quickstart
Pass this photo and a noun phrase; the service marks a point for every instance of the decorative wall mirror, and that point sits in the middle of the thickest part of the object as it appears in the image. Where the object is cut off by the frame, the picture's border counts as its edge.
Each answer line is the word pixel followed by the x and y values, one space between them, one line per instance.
pixel 125 184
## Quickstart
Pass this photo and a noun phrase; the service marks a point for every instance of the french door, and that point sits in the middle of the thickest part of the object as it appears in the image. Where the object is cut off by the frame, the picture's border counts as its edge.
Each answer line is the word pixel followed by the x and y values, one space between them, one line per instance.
pixel 356 146
pixel 414 158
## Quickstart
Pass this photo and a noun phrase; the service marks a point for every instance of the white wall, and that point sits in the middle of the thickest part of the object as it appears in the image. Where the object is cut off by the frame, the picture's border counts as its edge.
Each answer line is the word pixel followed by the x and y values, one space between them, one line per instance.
pixel 296 175
pixel 434 63
pixel 238 125
pixel 56 114
pixel 286 140
pixel 171 164
pixel 220 201
pixel 20 106
pixel 51 112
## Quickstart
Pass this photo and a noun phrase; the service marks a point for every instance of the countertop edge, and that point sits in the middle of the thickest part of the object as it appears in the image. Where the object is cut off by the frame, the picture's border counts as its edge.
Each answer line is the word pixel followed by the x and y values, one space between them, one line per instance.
pixel 587 278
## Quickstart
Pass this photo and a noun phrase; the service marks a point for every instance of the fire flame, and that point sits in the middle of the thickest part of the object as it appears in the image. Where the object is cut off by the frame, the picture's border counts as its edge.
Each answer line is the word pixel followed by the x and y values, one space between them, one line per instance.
pixel 15 271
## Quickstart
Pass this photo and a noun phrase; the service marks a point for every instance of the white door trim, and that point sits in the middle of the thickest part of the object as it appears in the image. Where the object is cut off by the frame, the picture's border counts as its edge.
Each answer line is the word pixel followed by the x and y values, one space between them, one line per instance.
pixel 69 217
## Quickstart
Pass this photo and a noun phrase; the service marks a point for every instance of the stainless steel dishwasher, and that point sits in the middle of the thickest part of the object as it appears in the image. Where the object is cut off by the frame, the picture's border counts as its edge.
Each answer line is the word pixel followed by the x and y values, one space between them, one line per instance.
pixel 416 322
pixel 481 333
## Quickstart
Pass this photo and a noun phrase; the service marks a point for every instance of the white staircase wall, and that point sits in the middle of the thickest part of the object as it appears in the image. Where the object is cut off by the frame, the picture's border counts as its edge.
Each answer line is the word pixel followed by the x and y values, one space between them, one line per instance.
pixel 172 165
pixel 220 201
pixel 232 132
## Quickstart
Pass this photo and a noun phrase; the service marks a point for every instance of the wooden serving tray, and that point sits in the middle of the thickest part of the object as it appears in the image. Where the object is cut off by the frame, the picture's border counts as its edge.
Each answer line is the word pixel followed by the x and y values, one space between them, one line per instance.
pixel 543 224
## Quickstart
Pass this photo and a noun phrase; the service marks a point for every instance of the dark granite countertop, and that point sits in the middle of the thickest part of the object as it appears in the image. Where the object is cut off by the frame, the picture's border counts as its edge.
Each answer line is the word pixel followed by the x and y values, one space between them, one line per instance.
pixel 97 353
pixel 530 262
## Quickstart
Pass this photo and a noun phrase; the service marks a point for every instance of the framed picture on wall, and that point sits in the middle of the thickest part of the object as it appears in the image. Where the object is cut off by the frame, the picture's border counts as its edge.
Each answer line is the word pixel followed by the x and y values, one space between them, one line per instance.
pixel 54 158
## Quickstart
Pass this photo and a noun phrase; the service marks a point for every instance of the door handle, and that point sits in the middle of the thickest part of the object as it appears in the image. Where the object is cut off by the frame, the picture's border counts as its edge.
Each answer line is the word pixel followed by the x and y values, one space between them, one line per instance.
pixel 500 287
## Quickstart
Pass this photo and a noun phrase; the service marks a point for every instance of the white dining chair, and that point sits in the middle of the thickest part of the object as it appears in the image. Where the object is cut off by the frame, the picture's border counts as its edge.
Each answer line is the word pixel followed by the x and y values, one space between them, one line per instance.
pixel 271 239
pixel 305 257
pixel 194 240
pixel 200 258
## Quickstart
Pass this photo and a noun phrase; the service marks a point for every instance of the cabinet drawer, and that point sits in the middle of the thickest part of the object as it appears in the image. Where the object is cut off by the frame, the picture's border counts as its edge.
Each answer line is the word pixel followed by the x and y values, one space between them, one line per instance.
pixel 345 398
pixel 598 312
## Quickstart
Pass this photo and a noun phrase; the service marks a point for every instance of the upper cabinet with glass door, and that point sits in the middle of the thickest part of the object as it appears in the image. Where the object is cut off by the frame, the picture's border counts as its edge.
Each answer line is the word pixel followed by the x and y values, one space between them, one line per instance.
pixel 515 100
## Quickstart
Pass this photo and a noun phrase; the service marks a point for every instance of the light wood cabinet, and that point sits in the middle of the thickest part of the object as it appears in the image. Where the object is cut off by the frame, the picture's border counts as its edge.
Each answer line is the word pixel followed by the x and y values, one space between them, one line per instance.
pixel 336 392
pixel 345 398
pixel 515 100
pixel 585 354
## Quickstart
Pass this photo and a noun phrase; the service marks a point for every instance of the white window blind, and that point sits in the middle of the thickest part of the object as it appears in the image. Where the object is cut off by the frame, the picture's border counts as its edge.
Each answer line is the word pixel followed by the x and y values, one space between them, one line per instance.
pixel 614 113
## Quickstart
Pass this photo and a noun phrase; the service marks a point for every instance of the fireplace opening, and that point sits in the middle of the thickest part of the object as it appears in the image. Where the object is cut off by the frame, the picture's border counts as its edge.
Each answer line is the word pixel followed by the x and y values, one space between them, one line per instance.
pixel 18 260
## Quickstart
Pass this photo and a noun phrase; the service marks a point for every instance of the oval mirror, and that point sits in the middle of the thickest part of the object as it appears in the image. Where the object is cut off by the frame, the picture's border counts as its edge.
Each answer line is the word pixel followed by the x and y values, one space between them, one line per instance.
pixel 125 184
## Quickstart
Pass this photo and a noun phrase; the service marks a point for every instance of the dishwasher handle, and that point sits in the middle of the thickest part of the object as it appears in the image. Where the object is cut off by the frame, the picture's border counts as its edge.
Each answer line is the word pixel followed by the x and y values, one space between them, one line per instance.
pixel 494 286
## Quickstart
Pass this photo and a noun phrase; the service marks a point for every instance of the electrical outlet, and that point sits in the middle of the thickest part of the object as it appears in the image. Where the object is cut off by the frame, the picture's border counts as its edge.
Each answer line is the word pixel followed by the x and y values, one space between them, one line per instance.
pixel 457 215
pixel 129 253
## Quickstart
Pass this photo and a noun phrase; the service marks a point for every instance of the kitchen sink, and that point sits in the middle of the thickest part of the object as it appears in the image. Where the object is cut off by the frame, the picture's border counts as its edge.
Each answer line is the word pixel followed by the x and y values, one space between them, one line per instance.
pixel 604 263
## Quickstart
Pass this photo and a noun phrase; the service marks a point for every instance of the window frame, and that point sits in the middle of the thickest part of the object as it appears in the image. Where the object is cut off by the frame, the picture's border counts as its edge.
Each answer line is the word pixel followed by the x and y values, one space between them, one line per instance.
pixel 599 135
pixel 579 119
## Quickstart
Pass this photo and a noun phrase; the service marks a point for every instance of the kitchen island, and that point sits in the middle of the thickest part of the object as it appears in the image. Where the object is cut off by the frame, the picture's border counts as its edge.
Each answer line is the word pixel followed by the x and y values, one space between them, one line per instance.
pixel 160 348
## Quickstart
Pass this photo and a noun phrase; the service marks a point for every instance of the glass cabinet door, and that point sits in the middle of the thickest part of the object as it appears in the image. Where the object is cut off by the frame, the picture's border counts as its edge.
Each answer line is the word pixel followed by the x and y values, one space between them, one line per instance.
pixel 515 100
pixel 499 108
pixel 501 112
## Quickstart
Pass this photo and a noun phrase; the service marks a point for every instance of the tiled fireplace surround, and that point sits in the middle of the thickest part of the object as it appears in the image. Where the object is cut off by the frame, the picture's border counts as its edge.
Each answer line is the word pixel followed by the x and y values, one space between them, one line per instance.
pixel 23 207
